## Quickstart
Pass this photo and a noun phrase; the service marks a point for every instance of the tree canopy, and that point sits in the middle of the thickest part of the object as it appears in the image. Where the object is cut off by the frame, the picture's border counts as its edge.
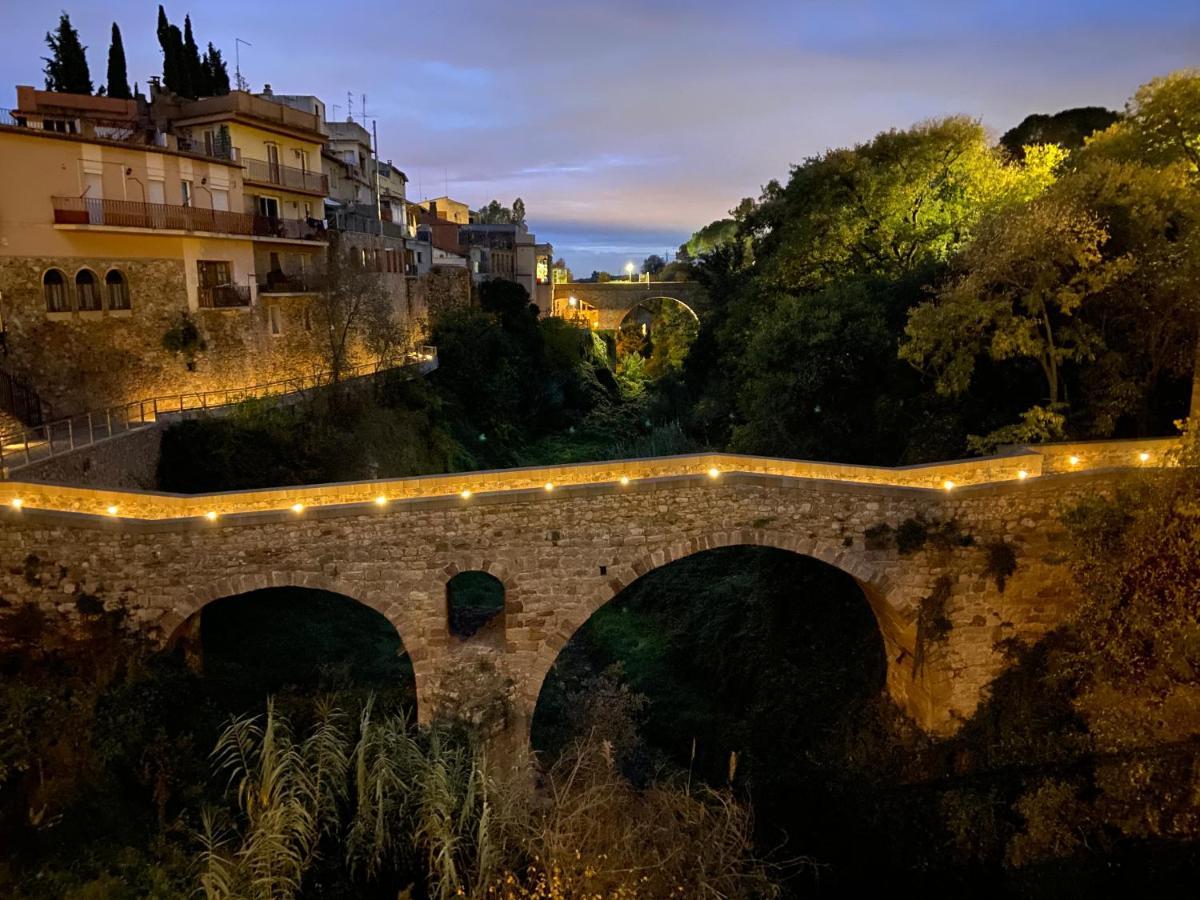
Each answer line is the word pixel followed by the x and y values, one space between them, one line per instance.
pixel 66 67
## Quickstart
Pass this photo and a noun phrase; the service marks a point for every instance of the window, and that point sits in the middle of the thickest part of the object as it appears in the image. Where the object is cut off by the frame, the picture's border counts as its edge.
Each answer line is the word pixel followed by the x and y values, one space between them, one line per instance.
pixel 54 285
pixel 156 191
pixel 303 154
pixel 87 291
pixel 268 207
pixel 185 188
pixel 214 273
pixel 275 320
pixel 220 199
pixel 118 289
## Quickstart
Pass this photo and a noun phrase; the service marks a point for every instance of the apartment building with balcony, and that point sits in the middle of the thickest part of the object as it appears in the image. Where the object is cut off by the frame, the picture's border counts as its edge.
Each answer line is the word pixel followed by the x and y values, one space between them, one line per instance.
pixel 278 146
pixel 115 231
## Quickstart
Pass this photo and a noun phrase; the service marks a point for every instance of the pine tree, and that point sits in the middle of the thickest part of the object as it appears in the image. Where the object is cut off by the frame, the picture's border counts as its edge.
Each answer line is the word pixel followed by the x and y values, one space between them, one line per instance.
pixel 118 76
pixel 193 74
pixel 66 68
pixel 219 75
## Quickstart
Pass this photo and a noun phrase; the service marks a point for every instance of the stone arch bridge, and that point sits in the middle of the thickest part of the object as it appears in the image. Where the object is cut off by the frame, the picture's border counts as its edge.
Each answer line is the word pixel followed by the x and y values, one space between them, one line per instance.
pixel 565 540
pixel 607 303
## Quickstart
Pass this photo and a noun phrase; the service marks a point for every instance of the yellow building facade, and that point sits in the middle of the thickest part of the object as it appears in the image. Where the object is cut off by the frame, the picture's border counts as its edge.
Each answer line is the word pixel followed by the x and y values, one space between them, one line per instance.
pixel 130 268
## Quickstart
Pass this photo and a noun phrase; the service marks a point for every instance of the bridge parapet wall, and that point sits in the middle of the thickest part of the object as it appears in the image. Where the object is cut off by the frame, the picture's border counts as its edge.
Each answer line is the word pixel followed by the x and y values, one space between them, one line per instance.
pixel 1018 464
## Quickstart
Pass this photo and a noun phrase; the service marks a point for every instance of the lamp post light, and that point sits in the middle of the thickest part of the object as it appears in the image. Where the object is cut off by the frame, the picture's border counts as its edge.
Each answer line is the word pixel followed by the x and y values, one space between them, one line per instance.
pixel 629 270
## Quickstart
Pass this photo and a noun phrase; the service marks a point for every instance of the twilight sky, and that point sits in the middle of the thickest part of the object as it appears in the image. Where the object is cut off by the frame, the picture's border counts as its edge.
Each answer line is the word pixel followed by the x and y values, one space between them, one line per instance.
pixel 626 125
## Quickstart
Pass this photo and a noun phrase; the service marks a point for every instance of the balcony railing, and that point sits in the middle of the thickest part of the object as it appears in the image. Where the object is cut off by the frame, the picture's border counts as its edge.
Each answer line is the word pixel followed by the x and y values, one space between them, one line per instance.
pixel 261 171
pixel 358 224
pixel 281 283
pixel 165 216
pixel 224 296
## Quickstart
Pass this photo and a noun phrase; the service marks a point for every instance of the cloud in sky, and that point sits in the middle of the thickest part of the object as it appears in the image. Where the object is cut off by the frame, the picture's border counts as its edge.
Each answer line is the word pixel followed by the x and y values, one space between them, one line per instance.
pixel 623 124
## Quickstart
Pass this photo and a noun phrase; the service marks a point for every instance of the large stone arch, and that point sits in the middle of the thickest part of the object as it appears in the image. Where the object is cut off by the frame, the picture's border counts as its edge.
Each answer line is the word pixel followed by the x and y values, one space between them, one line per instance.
pixel 897 630
pixel 645 300
pixel 401 618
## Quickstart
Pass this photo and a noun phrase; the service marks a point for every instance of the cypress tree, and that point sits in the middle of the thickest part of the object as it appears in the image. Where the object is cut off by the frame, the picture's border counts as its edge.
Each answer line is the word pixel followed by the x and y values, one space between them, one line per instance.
pixel 118 76
pixel 218 74
pixel 66 68
pixel 174 70
pixel 193 75
pixel 170 54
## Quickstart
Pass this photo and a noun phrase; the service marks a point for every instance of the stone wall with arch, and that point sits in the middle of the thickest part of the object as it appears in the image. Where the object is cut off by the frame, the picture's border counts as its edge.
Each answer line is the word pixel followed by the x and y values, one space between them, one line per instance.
pixel 561 554
pixel 614 300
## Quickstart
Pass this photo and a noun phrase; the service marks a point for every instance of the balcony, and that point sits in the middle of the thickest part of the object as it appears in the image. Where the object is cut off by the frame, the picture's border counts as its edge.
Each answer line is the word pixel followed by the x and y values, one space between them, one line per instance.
pixel 283 283
pixel 241 103
pixel 360 224
pixel 118 131
pixel 224 296
pixel 169 217
pixel 262 172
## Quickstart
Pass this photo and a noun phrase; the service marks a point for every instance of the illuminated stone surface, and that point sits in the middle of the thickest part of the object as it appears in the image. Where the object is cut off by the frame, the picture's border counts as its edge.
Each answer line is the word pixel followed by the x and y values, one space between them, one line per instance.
pixel 562 554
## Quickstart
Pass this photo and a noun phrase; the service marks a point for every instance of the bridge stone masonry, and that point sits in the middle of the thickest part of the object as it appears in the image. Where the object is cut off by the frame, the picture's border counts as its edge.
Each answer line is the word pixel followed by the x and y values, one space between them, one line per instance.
pixel 565 540
pixel 614 300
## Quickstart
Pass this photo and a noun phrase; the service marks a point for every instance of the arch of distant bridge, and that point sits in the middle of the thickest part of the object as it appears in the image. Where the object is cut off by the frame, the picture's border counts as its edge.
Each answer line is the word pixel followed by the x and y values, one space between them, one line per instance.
pixel 612 301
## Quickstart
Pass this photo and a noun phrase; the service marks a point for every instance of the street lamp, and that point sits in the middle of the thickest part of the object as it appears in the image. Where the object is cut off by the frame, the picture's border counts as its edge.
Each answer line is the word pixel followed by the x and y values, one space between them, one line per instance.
pixel 574 301
pixel 629 270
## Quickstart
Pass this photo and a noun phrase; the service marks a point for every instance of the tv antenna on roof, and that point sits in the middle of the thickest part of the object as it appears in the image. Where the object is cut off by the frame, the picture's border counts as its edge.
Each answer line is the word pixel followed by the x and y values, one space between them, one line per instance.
pixel 242 84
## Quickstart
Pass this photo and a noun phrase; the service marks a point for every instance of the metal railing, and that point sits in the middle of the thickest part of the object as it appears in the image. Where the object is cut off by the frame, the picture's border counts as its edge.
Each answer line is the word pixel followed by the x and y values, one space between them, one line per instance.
pixel 260 171
pixel 61 436
pixel 359 224
pixel 162 216
pixel 19 399
pixel 137 133
pixel 281 283
pixel 222 296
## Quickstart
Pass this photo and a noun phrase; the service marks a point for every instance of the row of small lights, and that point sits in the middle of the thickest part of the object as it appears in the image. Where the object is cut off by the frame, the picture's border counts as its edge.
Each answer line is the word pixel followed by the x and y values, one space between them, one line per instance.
pixel 297 508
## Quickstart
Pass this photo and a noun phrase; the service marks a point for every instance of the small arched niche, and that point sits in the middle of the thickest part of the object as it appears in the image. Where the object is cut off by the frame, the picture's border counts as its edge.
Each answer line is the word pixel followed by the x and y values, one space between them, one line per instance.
pixel 475 605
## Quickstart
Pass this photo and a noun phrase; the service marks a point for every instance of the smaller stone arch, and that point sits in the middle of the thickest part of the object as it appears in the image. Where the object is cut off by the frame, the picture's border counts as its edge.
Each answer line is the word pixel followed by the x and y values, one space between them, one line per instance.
pixel 497 570
pixel 475 604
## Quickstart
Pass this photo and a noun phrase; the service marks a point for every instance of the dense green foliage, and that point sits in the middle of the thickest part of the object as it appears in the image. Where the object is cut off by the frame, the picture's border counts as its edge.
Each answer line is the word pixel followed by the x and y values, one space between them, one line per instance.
pixel 923 295
pixel 1068 129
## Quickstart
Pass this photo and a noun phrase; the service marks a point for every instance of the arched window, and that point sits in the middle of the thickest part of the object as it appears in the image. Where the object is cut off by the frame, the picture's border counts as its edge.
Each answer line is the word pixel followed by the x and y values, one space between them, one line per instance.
pixel 118 289
pixel 54 285
pixel 87 290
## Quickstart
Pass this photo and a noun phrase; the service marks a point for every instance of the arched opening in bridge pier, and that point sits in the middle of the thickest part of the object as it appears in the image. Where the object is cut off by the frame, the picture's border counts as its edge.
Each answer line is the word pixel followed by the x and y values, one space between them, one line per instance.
pixel 656 334
pixel 475 606
pixel 296 642
pixel 753 660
